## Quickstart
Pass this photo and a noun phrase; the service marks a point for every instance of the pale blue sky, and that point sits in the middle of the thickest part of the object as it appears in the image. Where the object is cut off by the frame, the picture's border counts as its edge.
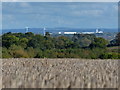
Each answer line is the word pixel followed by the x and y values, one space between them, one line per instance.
pixel 59 14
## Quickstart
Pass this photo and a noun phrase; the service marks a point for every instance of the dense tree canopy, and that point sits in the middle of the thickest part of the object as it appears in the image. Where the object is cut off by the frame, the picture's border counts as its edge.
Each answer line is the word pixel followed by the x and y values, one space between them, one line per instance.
pixel 30 45
pixel 99 42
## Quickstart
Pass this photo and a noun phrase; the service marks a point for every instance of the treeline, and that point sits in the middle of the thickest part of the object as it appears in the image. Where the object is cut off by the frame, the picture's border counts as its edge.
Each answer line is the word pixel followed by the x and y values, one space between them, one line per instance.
pixel 30 45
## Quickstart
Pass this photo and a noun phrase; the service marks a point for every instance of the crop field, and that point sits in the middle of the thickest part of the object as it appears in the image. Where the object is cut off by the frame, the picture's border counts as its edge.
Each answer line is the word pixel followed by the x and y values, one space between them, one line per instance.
pixel 59 73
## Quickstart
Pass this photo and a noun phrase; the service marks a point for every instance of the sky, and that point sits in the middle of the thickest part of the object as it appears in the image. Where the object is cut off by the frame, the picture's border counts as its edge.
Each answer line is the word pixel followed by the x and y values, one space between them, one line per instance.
pixel 16 15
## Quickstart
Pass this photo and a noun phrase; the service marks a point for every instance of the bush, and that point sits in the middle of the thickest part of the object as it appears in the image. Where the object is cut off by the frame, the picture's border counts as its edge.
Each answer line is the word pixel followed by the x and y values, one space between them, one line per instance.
pixel 17 52
pixel 99 42
pixel 30 52
pixel 5 53
pixel 110 56
pixel 38 53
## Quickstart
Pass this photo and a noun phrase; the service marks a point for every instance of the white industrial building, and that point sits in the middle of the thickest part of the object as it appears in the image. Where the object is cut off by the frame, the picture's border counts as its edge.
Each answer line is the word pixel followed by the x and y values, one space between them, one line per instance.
pixel 87 33
pixel 70 32
pixel 97 31
pixel 59 32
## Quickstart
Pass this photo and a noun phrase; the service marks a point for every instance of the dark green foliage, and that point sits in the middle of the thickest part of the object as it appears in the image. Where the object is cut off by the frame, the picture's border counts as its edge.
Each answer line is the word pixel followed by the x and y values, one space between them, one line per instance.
pixel 63 42
pixel 38 53
pixel 47 34
pixel 29 35
pixel 29 45
pixel 83 40
pixel 5 53
pixel 36 41
pixel 8 40
pixel 23 42
pixel 31 52
pixel 112 43
pixel 118 39
pixel 0 41
pixel 110 56
pixel 99 42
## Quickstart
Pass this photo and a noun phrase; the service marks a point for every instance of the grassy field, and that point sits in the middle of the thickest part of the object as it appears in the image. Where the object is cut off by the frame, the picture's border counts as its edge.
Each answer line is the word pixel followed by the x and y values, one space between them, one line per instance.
pixel 59 73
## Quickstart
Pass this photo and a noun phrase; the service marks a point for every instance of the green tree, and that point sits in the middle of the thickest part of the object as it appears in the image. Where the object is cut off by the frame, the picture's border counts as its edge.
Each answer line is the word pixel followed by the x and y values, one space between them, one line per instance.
pixel 19 35
pixel 63 42
pixel 23 42
pixel 39 53
pixel 5 53
pixel 47 34
pixel 118 39
pixel 37 42
pixel 17 51
pixel 110 55
pixel 29 35
pixel 99 42
pixel 8 40
pixel 31 52
pixel 48 44
pixel 83 40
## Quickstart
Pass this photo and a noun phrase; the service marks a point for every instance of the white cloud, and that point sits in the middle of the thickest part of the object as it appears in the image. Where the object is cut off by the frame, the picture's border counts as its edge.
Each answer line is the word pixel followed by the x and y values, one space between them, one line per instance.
pixel 25 4
pixel 88 12
pixel 60 0
pixel 115 7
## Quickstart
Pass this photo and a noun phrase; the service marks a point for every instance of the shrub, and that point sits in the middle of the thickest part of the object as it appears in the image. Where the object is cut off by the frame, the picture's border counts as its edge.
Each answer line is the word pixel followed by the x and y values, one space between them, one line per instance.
pixel 31 52
pixel 5 53
pixel 38 53
pixel 110 56
pixel 17 52
pixel 99 42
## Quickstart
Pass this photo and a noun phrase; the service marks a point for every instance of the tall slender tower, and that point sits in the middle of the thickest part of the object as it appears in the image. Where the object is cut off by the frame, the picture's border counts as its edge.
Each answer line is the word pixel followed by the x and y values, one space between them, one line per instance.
pixel 97 30
pixel 44 31
pixel 26 29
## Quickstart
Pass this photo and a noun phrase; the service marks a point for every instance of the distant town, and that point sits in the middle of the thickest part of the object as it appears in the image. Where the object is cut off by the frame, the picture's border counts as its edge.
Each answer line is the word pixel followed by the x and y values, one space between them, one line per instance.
pixel 97 32
pixel 44 30
pixel 108 34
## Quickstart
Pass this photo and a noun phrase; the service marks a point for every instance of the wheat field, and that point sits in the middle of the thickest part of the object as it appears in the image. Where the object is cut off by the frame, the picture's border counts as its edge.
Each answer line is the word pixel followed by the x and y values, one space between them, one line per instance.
pixel 59 73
